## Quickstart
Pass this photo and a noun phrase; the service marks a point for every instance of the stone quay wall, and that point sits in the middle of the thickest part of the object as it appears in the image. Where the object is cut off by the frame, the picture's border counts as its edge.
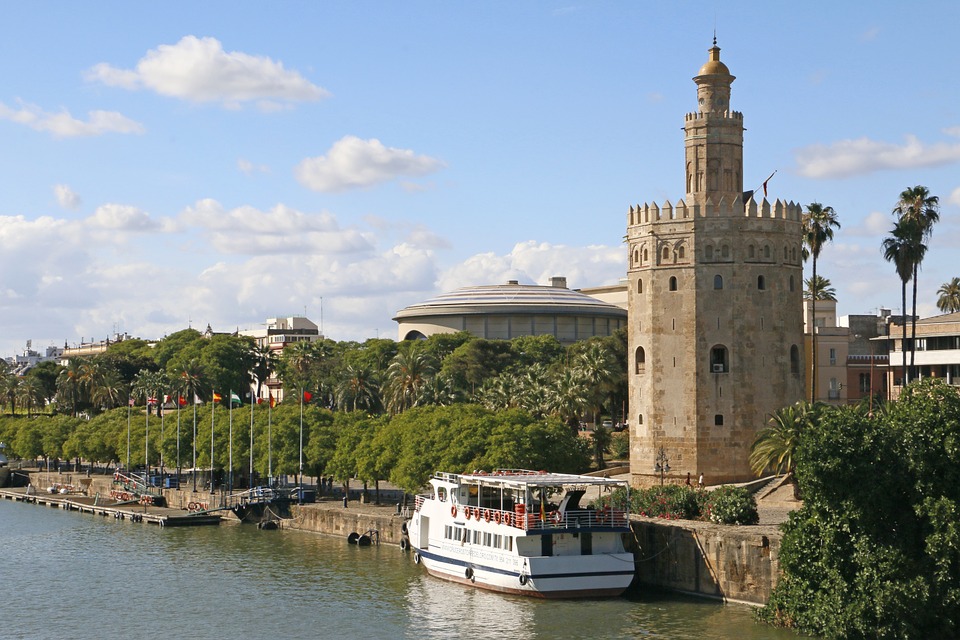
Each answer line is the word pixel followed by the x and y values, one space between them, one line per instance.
pixel 731 563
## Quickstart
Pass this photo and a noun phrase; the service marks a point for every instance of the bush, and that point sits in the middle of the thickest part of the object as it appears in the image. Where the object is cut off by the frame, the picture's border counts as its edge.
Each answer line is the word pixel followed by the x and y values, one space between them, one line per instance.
pixel 620 446
pixel 674 502
pixel 728 505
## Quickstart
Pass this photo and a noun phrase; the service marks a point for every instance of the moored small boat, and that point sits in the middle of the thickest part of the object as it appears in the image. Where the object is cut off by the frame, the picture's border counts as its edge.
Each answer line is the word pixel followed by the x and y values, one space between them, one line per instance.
pixel 522 532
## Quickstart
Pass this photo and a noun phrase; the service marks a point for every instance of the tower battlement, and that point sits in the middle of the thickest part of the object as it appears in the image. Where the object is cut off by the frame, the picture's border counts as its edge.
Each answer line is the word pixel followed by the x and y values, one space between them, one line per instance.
pixel 651 213
pixel 699 115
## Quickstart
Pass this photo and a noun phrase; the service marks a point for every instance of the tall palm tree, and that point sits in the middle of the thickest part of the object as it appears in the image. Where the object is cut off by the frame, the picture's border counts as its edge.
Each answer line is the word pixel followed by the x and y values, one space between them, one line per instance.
pixel 918 205
pixel 568 398
pixel 819 289
pixel 10 384
pixel 264 363
pixel 70 385
pixel 949 292
pixel 189 383
pixel 900 248
pixel 818 224
pixel 30 394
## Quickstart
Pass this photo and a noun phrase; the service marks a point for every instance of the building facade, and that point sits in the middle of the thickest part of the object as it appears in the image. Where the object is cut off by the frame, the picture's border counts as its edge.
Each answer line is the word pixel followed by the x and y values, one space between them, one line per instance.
pixel 715 289
pixel 512 310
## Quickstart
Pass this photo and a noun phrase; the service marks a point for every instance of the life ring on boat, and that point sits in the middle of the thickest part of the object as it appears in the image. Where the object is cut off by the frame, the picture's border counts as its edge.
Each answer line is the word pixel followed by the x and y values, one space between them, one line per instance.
pixel 466 512
pixel 555 517
pixel 523 579
pixel 453 510
pixel 470 575
pixel 497 517
pixel 486 515
pixel 508 518
pixel 416 558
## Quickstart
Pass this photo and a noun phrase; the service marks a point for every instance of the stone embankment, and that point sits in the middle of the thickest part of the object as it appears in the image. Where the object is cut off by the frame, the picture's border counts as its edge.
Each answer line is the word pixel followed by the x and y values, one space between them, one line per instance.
pixel 732 563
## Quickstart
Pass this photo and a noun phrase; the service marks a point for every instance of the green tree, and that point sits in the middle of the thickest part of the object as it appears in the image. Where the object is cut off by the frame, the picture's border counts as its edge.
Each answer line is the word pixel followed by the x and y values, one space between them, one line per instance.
pixel 407 375
pixel 903 247
pixel 818 225
pixel 358 389
pixel 819 289
pixel 917 205
pixel 874 552
pixel 70 390
pixel 775 446
pixel 949 300
pixel 475 361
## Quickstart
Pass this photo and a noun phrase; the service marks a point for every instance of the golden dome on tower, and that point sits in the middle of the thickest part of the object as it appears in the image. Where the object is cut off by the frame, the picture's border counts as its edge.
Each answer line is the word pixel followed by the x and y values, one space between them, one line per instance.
pixel 714 67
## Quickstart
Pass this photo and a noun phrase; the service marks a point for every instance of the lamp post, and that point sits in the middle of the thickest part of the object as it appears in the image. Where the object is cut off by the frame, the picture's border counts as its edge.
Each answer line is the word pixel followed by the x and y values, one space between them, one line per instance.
pixel 661 464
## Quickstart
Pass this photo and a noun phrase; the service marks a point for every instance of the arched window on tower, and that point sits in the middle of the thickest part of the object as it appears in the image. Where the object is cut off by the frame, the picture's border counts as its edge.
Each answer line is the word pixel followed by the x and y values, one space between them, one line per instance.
pixel 718 281
pixel 751 252
pixel 761 283
pixel 645 256
pixel 794 360
pixel 766 252
pixel 725 252
pixel 708 252
pixel 641 361
pixel 791 283
pixel 680 253
pixel 673 283
pixel 640 286
pixel 666 253
pixel 636 256
pixel 718 360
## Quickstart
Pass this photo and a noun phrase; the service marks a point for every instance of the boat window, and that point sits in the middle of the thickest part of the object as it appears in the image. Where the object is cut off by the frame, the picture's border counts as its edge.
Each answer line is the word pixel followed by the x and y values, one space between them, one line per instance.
pixel 486 539
pixel 476 536
pixel 442 494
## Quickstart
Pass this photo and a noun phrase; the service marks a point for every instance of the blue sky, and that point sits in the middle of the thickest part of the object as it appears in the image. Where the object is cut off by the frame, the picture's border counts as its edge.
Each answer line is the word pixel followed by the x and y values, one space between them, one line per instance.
pixel 220 163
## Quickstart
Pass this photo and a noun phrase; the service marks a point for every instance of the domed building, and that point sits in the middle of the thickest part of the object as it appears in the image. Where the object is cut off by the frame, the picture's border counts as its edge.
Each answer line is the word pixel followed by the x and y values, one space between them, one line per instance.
pixel 512 310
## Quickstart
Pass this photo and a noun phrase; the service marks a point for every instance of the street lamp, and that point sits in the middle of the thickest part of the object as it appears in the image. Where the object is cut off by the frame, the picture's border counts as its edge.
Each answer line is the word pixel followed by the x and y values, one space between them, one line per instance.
pixel 661 464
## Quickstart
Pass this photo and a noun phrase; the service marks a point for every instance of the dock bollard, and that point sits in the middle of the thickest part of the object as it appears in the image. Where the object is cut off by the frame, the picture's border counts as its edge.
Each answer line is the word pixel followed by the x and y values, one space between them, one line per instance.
pixel 398 508
pixel 344 501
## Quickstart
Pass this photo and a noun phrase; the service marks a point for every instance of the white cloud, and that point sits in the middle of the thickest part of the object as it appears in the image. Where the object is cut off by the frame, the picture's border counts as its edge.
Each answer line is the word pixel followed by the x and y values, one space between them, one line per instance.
pixel 199 70
pixel 857 157
pixel 64 125
pixel 282 229
pixel 248 168
pixel 354 163
pixel 952 131
pixel 118 217
pixel 66 197
pixel 954 197
pixel 536 262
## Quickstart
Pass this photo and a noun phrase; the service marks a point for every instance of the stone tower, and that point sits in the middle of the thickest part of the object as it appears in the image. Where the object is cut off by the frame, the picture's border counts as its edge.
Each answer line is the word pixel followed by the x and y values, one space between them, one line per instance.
pixel 715 324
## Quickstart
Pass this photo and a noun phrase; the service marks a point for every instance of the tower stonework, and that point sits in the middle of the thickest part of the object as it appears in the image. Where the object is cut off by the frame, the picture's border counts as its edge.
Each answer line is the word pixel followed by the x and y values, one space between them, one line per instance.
pixel 714 328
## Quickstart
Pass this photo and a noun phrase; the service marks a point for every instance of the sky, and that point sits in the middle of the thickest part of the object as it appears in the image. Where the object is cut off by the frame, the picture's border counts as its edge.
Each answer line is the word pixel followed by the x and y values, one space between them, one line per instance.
pixel 175 164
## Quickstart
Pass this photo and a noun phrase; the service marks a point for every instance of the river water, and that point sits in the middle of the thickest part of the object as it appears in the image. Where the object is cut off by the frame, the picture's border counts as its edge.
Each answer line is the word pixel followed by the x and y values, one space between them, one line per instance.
pixel 72 575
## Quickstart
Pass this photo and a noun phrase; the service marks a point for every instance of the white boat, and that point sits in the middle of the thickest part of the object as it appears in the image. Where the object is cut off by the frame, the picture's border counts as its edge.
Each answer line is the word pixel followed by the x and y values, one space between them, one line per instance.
pixel 522 532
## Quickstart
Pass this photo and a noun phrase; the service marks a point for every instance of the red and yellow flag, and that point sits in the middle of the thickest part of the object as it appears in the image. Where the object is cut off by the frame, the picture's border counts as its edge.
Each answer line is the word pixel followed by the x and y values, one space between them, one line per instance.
pixel 216 397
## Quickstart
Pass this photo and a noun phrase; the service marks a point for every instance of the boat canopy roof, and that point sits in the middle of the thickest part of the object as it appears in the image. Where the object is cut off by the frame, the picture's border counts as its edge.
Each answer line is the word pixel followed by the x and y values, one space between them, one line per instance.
pixel 522 478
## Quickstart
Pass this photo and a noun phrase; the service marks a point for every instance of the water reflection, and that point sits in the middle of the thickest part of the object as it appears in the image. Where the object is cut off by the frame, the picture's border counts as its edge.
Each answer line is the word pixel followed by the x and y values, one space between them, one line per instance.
pixel 70 575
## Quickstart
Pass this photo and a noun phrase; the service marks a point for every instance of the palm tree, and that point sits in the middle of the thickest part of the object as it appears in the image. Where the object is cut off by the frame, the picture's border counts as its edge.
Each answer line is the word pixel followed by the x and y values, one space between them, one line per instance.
pixel 901 248
pixel 818 224
pixel 30 393
pixel 10 384
pixel 819 289
pixel 569 398
pixel 597 367
pixel 357 389
pixel 189 383
pixel 918 205
pixel 70 384
pixel 264 363
pixel 406 377
pixel 949 292
pixel 775 446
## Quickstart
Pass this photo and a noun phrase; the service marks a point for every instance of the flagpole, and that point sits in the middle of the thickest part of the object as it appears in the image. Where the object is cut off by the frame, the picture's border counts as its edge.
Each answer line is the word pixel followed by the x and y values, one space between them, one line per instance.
pixel 146 445
pixel 252 402
pixel 178 441
pixel 194 441
pixel 213 410
pixel 230 457
pixel 300 468
pixel 160 410
pixel 270 435
pixel 129 405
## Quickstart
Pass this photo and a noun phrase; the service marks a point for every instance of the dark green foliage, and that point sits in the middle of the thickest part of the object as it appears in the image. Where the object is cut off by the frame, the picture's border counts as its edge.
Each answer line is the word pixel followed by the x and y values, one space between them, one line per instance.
pixel 620 446
pixel 875 550
pixel 728 505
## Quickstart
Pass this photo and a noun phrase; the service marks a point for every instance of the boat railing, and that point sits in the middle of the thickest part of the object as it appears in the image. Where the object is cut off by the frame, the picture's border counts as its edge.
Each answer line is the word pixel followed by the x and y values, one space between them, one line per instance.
pixel 605 518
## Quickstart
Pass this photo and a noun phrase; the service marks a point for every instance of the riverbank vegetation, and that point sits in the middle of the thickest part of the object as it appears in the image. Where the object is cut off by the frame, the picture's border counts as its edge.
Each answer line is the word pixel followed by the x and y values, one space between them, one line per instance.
pixel 875 550
pixel 723 505
pixel 378 410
